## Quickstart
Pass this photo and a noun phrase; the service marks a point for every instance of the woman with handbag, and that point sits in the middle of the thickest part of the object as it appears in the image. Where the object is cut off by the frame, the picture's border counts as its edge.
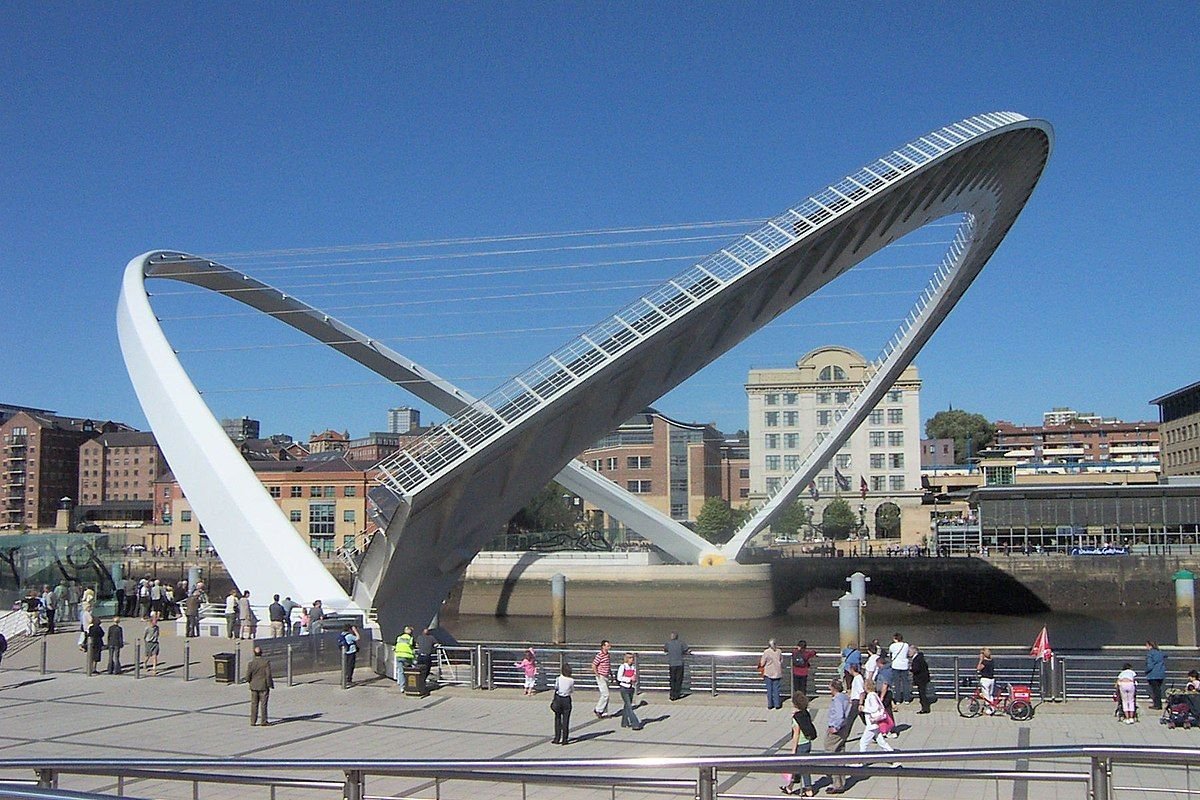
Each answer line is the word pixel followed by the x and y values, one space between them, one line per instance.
pixel 564 684
pixel 803 735
pixel 879 723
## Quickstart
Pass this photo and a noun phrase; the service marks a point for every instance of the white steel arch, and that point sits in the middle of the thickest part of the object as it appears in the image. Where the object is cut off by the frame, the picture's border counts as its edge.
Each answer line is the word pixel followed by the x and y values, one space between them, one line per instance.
pixel 447 491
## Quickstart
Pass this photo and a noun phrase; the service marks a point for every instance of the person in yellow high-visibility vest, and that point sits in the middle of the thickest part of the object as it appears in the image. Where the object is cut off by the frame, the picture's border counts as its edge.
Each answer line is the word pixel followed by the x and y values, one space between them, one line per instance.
pixel 405 652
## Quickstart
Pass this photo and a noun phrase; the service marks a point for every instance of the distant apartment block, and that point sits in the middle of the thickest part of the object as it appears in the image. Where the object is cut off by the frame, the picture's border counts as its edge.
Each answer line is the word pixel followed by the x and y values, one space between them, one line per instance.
pixel 671 465
pixel 937 453
pixel 8 411
pixel 41 464
pixel 1061 415
pixel 1078 441
pixel 117 472
pixel 1179 427
pixel 327 441
pixel 241 428
pixel 735 470
pixel 375 447
pixel 403 419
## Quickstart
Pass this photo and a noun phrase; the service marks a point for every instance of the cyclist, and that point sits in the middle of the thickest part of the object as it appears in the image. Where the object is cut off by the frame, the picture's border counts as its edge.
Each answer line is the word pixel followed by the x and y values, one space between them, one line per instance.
pixel 987 678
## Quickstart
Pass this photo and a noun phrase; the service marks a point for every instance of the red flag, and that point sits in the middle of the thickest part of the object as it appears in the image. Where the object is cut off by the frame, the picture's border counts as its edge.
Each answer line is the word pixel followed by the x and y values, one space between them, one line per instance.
pixel 1041 646
pixel 862 486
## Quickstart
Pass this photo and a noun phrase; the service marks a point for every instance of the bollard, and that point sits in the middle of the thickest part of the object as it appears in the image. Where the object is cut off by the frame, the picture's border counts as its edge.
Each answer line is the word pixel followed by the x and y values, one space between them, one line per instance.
pixel 1185 608
pixel 858 587
pixel 352 788
pixel 43 655
pixel 345 683
pixel 706 784
pixel 187 660
pixel 89 668
pixel 289 666
pixel 558 606
pixel 137 659
pixel 237 663
pixel 848 608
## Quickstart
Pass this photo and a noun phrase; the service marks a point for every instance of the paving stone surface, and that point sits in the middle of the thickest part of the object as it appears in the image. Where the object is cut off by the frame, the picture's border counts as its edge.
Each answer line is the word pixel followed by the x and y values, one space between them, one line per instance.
pixel 67 714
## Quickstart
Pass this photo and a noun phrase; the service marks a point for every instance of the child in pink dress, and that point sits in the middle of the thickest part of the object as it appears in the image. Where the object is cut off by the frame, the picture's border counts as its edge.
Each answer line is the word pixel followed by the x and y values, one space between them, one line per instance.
pixel 528 665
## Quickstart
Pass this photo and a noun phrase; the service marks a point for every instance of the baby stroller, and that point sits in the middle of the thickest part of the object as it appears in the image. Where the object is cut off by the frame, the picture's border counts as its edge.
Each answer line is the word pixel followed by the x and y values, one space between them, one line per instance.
pixel 1119 713
pixel 1181 710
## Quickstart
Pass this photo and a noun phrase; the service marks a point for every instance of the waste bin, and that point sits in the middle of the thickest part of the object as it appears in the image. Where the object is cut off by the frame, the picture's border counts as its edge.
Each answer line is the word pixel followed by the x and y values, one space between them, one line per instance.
pixel 414 683
pixel 225 667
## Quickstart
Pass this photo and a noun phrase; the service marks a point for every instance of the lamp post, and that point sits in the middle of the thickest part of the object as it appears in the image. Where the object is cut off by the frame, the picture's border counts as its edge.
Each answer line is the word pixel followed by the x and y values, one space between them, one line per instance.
pixel 862 520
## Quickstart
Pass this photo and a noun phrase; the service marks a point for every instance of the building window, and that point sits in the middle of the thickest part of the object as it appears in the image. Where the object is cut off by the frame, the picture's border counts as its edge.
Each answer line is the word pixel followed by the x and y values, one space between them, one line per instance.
pixel 791 419
pixel 895 438
pixel 773 463
pixel 743 474
pixel 841 398
pixel 878 483
pixel 824 417
pixel 743 492
pixel 350 491
pixel 185 542
pixel 637 462
pixel 348 515
pixel 612 464
pixel 771 399
pixel 823 398
pixel 875 438
pixel 843 460
pixel 297 491
pixel 348 542
pixel 876 417
pixel 327 491
pixel 185 515
pixel 638 487
pixel 678 510
pixel 320 519
pixel 295 515
pixel 832 373
pixel 791 463
pixel 773 485
pixel 790 399
pixel 896 460
pixel 825 484
pixel 877 460
pixel 771 418
pixel 275 491
pixel 895 395
pixel 791 441
pixel 896 483
pixel 895 416
pixel 314 491
pixel 771 441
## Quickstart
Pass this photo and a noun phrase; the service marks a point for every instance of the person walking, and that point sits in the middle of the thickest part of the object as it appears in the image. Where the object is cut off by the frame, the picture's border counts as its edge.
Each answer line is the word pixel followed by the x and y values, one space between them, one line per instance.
pixel 426 650
pixel 246 616
pixel 261 682
pixel 191 611
pixel 277 617
pixel 150 637
pixel 404 653
pixel 349 643
pixel 116 640
pixel 803 735
pixel 32 605
pixel 838 722
pixel 858 689
pixel 564 685
pixel 1127 692
pixel 676 650
pixel 802 658
pixel 1156 673
pixel 879 722
pixel 50 606
pixel 851 656
pixel 986 669
pixel 231 613
pixel 921 679
pixel 627 679
pixel 602 669
pixel 901 677
pixel 770 666
pixel 95 643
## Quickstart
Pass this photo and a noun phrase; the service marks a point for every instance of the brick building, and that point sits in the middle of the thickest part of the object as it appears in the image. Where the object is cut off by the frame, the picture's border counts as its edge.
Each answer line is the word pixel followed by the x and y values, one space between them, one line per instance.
pixel 1079 440
pixel 41 464
pixel 117 472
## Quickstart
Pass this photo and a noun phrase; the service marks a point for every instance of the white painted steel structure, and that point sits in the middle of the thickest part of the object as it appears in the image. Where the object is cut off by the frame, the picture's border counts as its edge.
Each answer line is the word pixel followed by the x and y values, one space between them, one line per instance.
pixel 449 489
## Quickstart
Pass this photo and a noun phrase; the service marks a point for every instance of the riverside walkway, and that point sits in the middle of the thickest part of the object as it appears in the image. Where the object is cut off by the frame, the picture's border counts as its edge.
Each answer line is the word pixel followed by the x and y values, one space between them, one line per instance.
pixel 64 715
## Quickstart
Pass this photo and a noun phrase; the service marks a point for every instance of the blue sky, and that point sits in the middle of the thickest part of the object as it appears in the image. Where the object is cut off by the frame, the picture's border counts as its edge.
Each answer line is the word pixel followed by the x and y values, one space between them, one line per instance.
pixel 237 129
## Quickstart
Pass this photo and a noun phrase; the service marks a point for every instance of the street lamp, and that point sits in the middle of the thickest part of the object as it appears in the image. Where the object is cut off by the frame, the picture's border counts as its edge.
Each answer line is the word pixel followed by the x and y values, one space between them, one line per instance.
pixel 862 520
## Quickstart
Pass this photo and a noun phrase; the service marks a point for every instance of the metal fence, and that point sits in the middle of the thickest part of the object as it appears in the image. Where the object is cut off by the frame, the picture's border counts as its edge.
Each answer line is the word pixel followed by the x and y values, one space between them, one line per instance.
pixel 1097 773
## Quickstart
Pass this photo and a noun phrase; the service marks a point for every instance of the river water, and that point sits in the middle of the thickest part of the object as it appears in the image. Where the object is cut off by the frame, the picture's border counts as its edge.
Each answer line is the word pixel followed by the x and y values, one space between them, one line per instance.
pixel 1067 631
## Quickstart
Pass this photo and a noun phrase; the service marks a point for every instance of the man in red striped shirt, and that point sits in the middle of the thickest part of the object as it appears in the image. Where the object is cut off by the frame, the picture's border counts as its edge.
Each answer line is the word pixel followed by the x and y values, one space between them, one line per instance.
pixel 602 667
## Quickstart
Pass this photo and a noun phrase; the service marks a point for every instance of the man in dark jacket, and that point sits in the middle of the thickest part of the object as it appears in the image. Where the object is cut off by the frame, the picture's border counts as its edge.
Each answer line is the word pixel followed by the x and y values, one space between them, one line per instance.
pixel 920 676
pixel 116 640
pixel 191 610
pixel 261 682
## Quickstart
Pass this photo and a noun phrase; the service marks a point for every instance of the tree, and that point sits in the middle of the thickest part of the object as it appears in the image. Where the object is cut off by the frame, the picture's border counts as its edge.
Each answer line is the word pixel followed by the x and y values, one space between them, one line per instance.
pixel 790 521
pixel 546 511
pixel 716 521
pixel 838 519
pixel 960 426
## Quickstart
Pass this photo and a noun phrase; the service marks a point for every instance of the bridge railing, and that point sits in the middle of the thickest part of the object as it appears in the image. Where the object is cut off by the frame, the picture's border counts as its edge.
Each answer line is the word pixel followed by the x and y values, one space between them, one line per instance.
pixel 1097 773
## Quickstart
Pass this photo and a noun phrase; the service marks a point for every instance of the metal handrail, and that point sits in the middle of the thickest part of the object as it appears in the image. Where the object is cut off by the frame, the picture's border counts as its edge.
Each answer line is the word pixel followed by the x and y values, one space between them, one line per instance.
pixel 600 771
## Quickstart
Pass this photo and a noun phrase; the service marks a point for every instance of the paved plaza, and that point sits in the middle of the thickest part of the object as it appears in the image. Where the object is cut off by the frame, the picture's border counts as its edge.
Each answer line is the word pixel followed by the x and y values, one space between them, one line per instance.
pixel 66 714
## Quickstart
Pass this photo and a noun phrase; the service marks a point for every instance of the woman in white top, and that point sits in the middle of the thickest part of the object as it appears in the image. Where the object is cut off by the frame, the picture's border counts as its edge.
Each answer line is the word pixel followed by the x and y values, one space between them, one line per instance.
pixel 564 684
pixel 1127 690
pixel 874 712
pixel 870 668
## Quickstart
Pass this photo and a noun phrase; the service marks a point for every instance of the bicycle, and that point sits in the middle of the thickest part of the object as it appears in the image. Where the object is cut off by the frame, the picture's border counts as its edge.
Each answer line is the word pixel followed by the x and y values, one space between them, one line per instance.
pixel 1016 702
